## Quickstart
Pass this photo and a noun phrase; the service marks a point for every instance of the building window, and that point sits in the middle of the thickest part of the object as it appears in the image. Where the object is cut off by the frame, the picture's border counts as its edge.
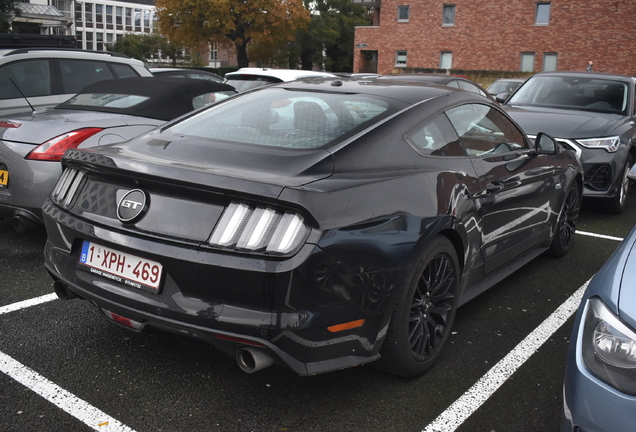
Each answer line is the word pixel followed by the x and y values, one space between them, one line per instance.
pixel 118 15
pixel 448 18
pixel 89 41
pixel 549 62
pixel 78 13
pixel 88 12
pixel 137 17
pixel 109 40
pixel 214 52
pixel 109 14
pixel 403 13
pixel 147 18
pixel 542 17
pixel 98 13
pixel 400 58
pixel 128 17
pixel 100 41
pixel 527 62
pixel 446 60
pixel 80 39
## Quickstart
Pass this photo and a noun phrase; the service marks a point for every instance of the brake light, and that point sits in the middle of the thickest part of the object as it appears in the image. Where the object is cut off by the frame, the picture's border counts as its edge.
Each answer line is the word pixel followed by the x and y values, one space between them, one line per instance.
pixel 54 149
pixel 259 229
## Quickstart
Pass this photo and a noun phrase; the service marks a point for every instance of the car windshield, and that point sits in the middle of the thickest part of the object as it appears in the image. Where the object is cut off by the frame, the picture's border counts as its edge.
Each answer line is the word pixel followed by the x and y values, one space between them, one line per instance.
pixel 291 119
pixel 574 92
pixel 106 100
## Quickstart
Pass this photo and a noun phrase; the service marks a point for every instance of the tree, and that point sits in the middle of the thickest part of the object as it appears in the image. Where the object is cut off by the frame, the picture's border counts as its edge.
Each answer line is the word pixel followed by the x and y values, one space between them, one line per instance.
pixel 143 47
pixel 8 9
pixel 193 23
pixel 329 40
pixel 327 43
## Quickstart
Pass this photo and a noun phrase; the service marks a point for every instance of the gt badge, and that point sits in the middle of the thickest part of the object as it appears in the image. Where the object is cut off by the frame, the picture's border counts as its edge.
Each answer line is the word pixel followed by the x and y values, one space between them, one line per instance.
pixel 132 206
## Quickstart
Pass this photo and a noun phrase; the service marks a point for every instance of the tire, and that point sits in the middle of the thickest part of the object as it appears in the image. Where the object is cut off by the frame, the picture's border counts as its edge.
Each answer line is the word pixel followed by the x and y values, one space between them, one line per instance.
pixel 618 203
pixel 424 312
pixel 566 224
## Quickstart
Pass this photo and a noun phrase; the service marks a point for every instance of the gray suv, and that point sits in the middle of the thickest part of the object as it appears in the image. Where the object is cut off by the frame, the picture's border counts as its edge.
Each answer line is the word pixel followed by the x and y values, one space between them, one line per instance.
pixel 49 76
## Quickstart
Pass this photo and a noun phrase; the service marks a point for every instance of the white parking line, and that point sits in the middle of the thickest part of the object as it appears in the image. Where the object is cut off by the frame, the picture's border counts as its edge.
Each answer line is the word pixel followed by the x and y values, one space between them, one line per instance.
pixel 27 303
pixel 589 234
pixel 448 421
pixel 468 403
pixel 487 385
pixel 83 411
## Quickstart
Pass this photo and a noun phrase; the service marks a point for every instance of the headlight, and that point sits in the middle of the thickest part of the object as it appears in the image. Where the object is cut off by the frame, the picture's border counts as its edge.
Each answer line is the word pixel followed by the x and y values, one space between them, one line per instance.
pixel 609 347
pixel 610 144
pixel 259 229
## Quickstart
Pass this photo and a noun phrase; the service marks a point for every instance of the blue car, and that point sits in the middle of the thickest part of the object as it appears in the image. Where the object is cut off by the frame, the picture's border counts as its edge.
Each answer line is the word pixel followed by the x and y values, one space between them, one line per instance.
pixel 600 376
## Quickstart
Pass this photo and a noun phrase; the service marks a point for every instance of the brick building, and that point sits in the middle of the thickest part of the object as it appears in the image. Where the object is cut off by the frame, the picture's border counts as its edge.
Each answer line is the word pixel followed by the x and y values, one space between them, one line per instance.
pixel 501 35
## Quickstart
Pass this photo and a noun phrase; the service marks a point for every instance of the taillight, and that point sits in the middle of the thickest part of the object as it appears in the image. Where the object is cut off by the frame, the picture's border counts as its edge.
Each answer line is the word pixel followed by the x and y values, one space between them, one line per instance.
pixel 259 229
pixel 54 149
pixel 10 124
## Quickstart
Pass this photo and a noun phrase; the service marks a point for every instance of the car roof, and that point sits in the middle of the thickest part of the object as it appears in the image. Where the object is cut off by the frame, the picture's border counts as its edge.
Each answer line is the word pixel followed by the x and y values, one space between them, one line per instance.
pixel 44 52
pixel 184 70
pixel 168 97
pixel 282 74
pixel 410 92
pixel 598 75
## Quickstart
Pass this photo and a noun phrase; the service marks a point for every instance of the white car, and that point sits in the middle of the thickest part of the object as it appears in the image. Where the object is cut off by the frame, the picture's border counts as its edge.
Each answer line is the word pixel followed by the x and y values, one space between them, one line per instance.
pixel 35 78
pixel 249 78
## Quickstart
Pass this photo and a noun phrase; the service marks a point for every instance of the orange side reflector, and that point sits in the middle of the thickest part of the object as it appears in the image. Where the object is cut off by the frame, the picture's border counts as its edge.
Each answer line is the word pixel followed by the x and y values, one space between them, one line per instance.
pixel 345 326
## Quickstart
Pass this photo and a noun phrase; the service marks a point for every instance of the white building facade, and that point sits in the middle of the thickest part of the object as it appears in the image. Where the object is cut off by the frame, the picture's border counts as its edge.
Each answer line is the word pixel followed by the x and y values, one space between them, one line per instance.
pixel 100 24
pixel 96 24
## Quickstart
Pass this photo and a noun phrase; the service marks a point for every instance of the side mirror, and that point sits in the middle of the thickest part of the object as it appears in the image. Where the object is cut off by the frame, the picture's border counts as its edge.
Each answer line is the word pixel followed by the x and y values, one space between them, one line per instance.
pixel 501 97
pixel 632 173
pixel 545 144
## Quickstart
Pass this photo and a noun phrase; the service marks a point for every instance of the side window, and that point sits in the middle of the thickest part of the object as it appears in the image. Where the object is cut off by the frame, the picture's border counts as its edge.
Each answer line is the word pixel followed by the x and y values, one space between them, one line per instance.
pixel 453 83
pixel 484 130
pixel 436 137
pixel 77 74
pixel 123 70
pixel 473 88
pixel 33 77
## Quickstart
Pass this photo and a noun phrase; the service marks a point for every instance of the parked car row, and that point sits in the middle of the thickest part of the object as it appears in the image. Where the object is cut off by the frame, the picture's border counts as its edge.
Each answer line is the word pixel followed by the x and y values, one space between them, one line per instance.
pixel 343 219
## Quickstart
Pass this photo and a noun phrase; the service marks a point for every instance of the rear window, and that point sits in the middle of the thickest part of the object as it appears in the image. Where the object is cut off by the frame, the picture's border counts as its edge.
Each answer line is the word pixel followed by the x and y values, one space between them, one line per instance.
pixel 284 118
pixel 247 82
pixel 106 100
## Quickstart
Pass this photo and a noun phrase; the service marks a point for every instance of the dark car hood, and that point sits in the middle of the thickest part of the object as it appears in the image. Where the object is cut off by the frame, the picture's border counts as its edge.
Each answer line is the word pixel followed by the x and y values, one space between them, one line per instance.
pixel 44 125
pixel 218 165
pixel 561 123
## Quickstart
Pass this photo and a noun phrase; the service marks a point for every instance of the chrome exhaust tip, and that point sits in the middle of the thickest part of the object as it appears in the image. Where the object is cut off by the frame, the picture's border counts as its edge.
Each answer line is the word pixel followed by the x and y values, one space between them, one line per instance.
pixel 251 360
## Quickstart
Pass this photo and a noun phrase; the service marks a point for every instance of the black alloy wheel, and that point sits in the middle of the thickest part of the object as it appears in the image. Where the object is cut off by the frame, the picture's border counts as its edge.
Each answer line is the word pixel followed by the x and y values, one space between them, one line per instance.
pixel 566 224
pixel 424 313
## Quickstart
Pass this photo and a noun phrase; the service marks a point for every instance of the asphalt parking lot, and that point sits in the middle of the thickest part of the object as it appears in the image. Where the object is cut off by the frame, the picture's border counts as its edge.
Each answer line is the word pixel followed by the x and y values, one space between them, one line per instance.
pixel 65 368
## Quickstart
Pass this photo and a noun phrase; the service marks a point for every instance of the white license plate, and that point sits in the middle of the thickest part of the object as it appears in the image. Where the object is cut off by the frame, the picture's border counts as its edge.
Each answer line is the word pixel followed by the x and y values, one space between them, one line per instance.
pixel 121 267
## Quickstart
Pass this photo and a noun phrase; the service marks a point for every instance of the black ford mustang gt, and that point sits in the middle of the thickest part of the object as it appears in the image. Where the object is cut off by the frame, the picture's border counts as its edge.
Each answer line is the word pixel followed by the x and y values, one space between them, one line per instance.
pixel 317 224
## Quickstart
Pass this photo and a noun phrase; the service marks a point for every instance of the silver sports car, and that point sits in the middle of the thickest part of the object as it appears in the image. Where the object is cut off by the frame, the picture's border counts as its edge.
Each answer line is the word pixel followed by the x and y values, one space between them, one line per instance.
pixel 107 112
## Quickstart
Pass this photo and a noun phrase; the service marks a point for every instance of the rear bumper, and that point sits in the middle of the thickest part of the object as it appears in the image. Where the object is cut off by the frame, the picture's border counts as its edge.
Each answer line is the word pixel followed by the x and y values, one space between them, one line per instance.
pixel 282 308
pixel 30 182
